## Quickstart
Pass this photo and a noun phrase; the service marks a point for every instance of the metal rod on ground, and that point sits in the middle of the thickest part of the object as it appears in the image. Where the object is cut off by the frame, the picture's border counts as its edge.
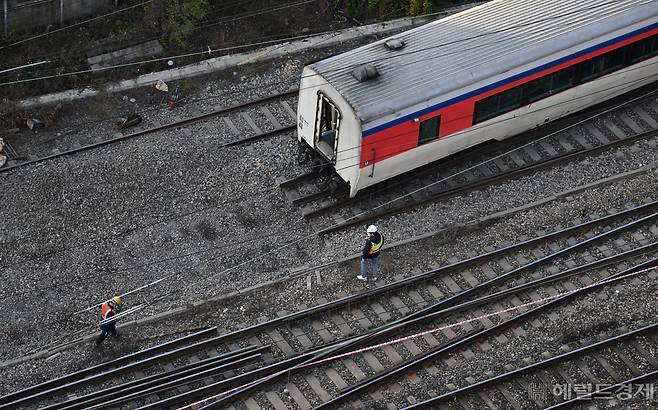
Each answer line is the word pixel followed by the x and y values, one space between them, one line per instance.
pixel 240 379
pixel 431 355
pixel 121 314
pixel 140 391
pixel 387 329
pixel 97 371
pixel 125 388
pixel 397 325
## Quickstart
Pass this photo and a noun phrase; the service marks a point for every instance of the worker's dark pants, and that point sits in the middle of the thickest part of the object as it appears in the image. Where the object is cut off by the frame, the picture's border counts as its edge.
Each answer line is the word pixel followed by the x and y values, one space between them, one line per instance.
pixel 106 329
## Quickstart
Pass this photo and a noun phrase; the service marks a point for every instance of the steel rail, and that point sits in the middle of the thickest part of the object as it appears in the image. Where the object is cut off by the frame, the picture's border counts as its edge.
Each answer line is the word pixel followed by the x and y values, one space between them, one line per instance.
pixel 484 182
pixel 311 197
pixel 225 384
pixel 285 183
pixel 450 347
pixel 635 380
pixel 599 264
pixel 448 301
pixel 266 373
pixel 211 372
pixel 172 125
pixel 397 325
pixel 424 276
pixel 267 376
pixel 462 156
pixel 104 375
pixel 159 379
pixel 260 136
pixel 404 366
pixel 462 264
pixel 58 383
pixel 433 402
pixel 428 275
pixel 421 277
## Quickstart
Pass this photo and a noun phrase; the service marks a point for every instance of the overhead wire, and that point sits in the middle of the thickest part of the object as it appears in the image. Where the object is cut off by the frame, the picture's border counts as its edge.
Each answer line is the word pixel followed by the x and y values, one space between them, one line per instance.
pixel 176 290
pixel 204 51
pixel 401 54
pixel 247 238
pixel 478 318
pixel 349 66
pixel 208 98
pixel 224 93
pixel 157 109
pixel 201 50
pixel 231 19
pixel 179 216
pixel 242 90
pixel 284 246
pixel 476 127
pixel 277 249
pixel 360 146
pixel 489 123
pixel 153 60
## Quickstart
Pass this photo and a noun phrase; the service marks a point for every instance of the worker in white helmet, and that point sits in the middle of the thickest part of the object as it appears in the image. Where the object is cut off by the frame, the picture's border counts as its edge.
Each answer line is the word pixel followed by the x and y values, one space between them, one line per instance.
pixel 108 309
pixel 370 254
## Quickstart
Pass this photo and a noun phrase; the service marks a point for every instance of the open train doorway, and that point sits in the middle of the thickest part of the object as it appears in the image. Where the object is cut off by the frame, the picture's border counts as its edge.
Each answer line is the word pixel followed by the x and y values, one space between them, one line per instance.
pixel 327 127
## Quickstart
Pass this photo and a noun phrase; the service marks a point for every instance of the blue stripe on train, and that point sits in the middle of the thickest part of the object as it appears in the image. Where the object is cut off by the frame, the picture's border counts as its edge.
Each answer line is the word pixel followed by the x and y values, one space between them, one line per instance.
pixel 500 83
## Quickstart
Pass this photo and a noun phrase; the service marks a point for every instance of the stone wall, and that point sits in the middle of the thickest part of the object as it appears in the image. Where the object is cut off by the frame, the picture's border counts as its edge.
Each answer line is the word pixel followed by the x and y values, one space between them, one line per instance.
pixel 28 15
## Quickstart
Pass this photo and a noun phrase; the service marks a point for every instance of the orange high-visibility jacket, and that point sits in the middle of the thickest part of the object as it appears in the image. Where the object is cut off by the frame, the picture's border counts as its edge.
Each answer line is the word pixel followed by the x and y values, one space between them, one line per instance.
pixel 105 309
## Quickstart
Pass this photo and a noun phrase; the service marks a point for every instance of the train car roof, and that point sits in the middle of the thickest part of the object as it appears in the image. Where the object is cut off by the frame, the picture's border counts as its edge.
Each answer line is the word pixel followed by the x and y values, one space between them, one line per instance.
pixel 458 51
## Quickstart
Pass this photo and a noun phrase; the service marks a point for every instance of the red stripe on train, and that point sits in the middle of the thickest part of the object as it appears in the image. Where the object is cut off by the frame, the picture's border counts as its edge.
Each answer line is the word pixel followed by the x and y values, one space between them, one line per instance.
pixel 457 117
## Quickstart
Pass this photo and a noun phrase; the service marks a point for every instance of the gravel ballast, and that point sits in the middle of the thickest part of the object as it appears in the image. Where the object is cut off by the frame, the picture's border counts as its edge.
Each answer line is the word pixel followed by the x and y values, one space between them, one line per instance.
pixel 175 205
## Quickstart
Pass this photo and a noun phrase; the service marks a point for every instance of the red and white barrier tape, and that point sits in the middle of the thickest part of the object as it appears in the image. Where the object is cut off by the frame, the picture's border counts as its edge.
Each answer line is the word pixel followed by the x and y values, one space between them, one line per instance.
pixel 416 335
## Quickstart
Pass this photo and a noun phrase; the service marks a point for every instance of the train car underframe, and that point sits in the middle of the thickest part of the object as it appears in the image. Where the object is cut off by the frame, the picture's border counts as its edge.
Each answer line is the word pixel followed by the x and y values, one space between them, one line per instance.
pixel 328 178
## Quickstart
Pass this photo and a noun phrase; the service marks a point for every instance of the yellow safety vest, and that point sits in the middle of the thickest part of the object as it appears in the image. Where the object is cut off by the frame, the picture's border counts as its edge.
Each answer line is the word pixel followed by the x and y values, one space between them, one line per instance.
pixel 374 247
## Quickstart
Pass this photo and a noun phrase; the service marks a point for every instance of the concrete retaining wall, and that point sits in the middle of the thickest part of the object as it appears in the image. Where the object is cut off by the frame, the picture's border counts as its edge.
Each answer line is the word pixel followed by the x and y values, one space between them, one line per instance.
pixel 228 61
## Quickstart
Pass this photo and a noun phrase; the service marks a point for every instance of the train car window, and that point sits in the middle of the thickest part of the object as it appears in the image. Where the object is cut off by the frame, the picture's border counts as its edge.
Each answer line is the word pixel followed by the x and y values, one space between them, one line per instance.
pixel 429 130
pixel 563 79
pixel 592 68
pixel 537 89
pixel 613 61
pixel 485 109
pixel 566 78
pixel 643 49
pixel 509 100
pixel 638 51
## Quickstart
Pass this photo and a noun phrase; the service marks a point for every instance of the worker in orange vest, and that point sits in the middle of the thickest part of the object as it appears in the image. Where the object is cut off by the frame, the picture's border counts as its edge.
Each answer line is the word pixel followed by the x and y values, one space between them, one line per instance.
pixel 108 309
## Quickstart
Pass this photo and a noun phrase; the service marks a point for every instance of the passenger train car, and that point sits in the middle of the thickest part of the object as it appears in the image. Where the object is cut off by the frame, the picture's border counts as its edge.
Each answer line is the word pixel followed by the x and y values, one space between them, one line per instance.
pixel 489 72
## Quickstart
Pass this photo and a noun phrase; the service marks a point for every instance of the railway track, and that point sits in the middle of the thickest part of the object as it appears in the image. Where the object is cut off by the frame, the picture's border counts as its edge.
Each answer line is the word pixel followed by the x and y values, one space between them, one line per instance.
pixel 360 372
pixel 636 124
pixel 584 253
pixel 247 122
pixel 608 363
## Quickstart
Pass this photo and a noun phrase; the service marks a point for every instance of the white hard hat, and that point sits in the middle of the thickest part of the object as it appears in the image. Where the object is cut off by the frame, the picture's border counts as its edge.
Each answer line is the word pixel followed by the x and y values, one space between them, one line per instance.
pixel 371 229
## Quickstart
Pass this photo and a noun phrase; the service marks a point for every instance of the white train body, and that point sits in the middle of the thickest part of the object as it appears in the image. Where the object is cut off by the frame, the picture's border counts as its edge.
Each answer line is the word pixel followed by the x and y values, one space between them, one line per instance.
pixel 489 72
